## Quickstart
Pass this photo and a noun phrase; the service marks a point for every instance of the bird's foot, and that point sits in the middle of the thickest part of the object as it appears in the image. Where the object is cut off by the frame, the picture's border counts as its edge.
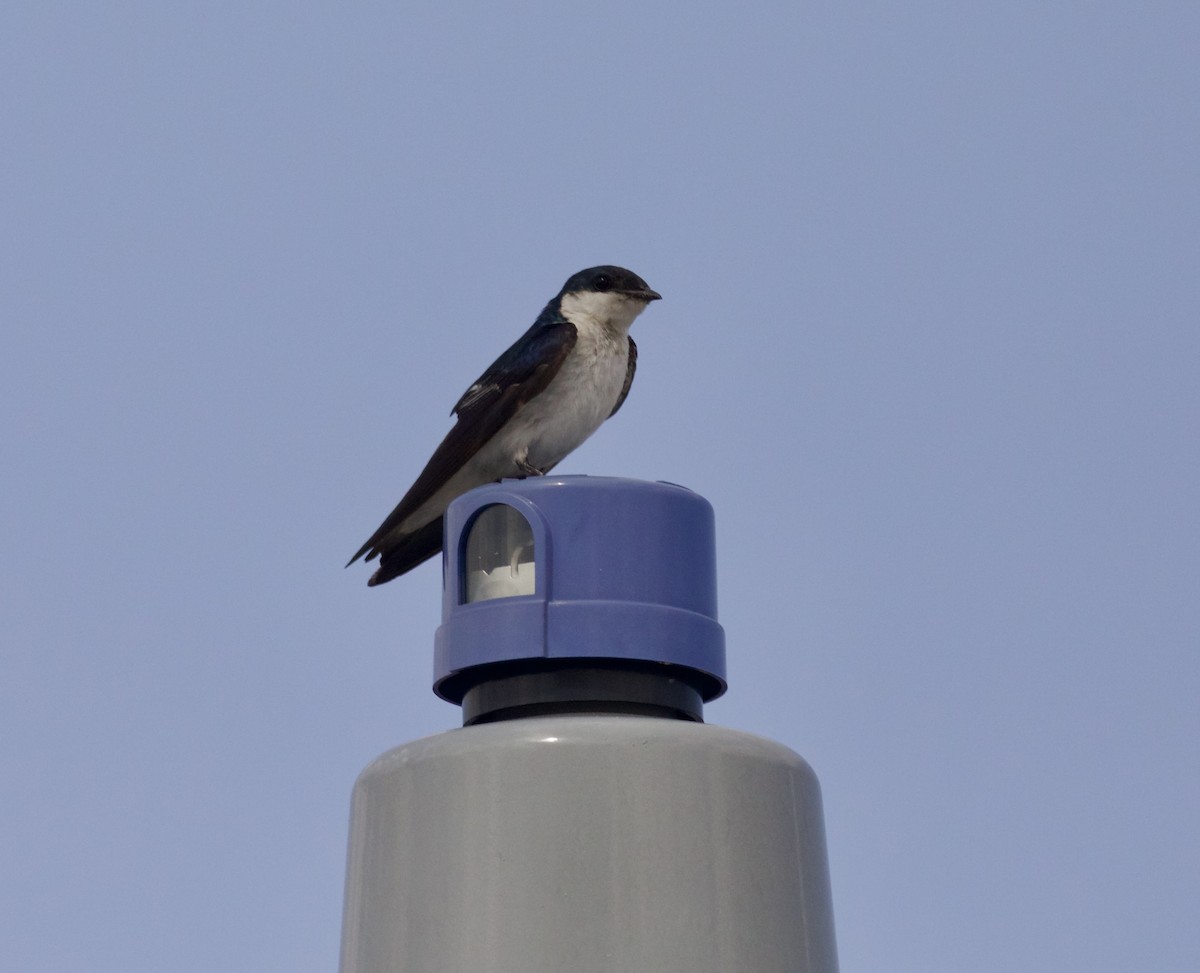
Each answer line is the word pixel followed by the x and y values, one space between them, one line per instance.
pixel 525 469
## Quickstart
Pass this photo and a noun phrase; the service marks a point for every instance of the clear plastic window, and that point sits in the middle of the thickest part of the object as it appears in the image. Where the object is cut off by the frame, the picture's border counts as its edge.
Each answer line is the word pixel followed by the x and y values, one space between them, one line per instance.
pixel 499 560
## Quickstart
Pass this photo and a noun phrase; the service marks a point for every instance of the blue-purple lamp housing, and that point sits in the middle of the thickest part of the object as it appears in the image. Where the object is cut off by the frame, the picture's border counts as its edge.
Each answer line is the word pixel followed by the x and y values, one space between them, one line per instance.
pixel 573 570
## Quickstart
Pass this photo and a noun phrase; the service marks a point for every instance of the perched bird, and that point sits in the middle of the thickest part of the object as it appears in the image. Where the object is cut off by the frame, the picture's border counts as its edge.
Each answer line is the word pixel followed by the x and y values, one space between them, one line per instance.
pixel 539 400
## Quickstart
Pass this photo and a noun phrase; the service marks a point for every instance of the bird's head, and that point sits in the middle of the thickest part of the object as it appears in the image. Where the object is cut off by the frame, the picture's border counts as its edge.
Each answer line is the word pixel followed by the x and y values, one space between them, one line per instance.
pixel 611 296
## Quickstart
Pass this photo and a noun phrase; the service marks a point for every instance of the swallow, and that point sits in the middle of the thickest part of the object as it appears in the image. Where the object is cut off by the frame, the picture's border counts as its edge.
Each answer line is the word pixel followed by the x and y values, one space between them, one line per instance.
pixel 537 402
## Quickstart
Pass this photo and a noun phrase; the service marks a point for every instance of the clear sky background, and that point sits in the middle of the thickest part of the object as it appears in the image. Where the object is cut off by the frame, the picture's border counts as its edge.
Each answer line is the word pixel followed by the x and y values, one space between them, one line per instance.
pixel 930 345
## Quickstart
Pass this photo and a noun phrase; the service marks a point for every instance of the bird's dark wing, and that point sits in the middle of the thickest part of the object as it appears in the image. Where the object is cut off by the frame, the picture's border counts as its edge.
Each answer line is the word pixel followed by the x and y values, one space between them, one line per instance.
pixel 630 368
pixel 514 378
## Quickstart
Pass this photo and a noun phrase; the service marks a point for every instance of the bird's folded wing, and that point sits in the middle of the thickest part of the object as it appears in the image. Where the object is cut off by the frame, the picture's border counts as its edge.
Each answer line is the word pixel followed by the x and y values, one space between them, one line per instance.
pixel 517 376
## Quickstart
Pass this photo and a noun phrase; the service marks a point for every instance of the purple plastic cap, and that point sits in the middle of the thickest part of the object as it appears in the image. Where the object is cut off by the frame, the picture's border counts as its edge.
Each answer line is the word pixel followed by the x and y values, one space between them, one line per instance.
pixel 579 569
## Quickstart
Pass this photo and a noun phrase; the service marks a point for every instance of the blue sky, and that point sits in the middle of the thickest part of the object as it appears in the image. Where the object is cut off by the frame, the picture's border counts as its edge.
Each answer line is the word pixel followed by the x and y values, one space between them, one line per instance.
pixel 929 343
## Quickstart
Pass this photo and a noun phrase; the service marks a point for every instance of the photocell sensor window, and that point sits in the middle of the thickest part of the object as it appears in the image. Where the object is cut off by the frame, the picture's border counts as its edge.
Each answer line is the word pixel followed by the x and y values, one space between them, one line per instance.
pixel 500 560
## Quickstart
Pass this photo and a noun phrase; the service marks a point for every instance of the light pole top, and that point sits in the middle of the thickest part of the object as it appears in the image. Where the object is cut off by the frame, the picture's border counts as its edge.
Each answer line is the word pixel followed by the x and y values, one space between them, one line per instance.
pixel 564 575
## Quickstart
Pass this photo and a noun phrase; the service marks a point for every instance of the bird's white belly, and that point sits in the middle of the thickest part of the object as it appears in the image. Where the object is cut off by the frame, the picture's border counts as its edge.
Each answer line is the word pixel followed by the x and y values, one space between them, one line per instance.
pixel 572 407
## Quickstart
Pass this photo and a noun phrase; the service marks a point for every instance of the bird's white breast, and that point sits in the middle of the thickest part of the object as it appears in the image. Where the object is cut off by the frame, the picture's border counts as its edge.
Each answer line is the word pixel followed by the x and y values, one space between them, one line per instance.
pixel 585 390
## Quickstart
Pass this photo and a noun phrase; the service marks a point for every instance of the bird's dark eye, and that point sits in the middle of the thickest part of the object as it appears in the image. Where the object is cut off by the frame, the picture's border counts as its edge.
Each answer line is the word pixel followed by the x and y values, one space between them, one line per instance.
pixel 603 282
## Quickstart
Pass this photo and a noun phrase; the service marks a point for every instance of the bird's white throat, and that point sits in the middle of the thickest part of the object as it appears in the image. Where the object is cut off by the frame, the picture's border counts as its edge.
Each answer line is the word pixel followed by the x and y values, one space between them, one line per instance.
pixel 609 310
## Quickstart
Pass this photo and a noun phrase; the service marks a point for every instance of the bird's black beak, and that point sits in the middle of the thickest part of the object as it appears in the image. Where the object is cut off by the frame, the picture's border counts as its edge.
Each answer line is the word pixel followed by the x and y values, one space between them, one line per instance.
pixel 647 295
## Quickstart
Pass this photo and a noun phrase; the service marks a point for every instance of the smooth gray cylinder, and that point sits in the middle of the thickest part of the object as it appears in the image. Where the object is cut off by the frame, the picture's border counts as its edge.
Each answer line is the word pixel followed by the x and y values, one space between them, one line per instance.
pixel 588 844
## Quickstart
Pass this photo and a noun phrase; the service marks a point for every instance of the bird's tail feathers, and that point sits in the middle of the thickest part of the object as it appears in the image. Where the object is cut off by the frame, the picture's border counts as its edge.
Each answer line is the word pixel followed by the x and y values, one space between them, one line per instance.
pixel 400 557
